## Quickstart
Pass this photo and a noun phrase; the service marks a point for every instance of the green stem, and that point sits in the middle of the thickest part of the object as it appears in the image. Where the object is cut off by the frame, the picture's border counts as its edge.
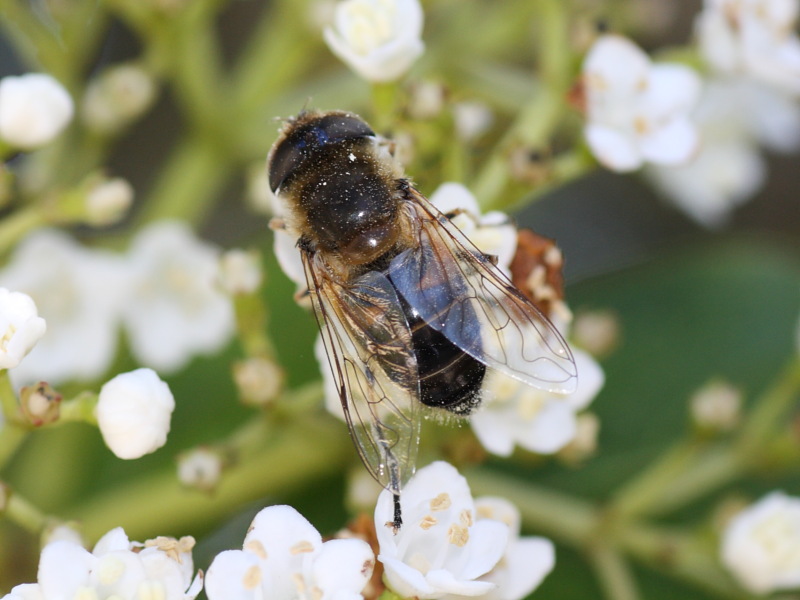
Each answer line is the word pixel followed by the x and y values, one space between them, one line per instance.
pixel 646 489
pixel 16 225
pixel 537 121
pixel 285 462
pixel 613 573
pixel 567 518
pixel 189 182
pixel 11 438
pixel 79 409
pixel 767 416
pixel 25 514
pixel 676 553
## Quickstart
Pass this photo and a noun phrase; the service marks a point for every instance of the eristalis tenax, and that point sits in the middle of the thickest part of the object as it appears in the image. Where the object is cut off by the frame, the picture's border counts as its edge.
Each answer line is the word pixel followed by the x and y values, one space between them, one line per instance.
pixel 411 313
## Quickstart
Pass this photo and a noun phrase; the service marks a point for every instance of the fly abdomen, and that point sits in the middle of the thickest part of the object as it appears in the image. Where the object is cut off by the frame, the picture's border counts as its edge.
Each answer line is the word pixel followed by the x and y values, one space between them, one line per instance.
pixel 449 378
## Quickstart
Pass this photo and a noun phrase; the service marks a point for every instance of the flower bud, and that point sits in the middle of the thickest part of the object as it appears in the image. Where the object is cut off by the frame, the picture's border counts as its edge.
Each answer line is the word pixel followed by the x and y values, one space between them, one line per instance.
pixel 20 327
pixel 117 97
pixel 108 202
pixel 716 406
pixel 133 413
pixel 378 39
pixel 240 272
pixel 200 468
pixel 259 380
pixel 596 331
pixel 40 404
pixel 472 120
pixel 427 99
pixel 34 108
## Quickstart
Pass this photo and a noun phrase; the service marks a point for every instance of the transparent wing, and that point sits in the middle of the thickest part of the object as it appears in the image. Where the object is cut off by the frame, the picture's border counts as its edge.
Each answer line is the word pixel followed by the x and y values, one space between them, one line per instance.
pixel 450 283
pixel 368 344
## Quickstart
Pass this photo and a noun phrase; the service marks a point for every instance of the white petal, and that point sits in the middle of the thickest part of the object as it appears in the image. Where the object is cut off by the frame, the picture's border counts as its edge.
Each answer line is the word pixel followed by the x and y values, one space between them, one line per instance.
pixel 445 583
pixel 283 539
pixel 721 177
pixel 615 66
pixel 499 509
pixel 674 143
pixel 406 581
pixel 343 565
pixel 64 567
pixel 116 539
pixel 589 383
pixel 288 255
pixel 234 575
pixel 452 196
pixel 21 327
pixel 612 148
pixel 487 541
pixel 718 42
pixel 492 431
pixel 527 562
pixel 671 89
pixel 551 430
pixel 25 591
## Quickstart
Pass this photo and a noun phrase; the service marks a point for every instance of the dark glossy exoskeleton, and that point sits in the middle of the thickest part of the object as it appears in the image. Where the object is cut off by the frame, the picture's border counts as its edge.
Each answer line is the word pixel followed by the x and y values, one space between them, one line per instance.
pixel 411 313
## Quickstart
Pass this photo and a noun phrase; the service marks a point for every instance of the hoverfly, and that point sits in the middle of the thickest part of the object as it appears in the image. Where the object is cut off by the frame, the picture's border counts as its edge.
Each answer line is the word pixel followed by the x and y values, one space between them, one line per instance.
pixel 411 313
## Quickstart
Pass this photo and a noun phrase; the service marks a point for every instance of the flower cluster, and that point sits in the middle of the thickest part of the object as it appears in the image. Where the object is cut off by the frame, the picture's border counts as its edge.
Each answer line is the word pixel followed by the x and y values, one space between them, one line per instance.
pixel 637 112
pixel 450 545
pixel 284 557
pixel 115 568
pixel 701 143
pixel 164 291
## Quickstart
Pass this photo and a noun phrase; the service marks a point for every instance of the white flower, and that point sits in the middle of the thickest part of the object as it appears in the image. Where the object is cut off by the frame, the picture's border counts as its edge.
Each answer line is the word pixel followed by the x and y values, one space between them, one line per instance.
pixel 761 545
pixel 443 548
pixel 637 112
pixel 108 201
pixel 284 558
pixel 240 272
pixel 526 560
pixel 539 421
pixel 752 37
pixel 378 39
pixel 133 413
pixel 34 108
pixel 116 568
pixel 78 292
pixel 20 327
pixel 734 116
pixel 174 309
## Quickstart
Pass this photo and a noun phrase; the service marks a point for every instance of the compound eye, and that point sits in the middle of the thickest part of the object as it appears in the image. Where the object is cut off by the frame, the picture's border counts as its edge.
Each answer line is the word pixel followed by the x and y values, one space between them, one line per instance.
pixel 303 141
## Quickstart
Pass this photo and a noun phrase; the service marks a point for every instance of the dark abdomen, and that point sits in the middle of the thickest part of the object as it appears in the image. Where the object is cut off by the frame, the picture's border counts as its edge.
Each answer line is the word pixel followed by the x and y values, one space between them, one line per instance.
pixel 449 377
